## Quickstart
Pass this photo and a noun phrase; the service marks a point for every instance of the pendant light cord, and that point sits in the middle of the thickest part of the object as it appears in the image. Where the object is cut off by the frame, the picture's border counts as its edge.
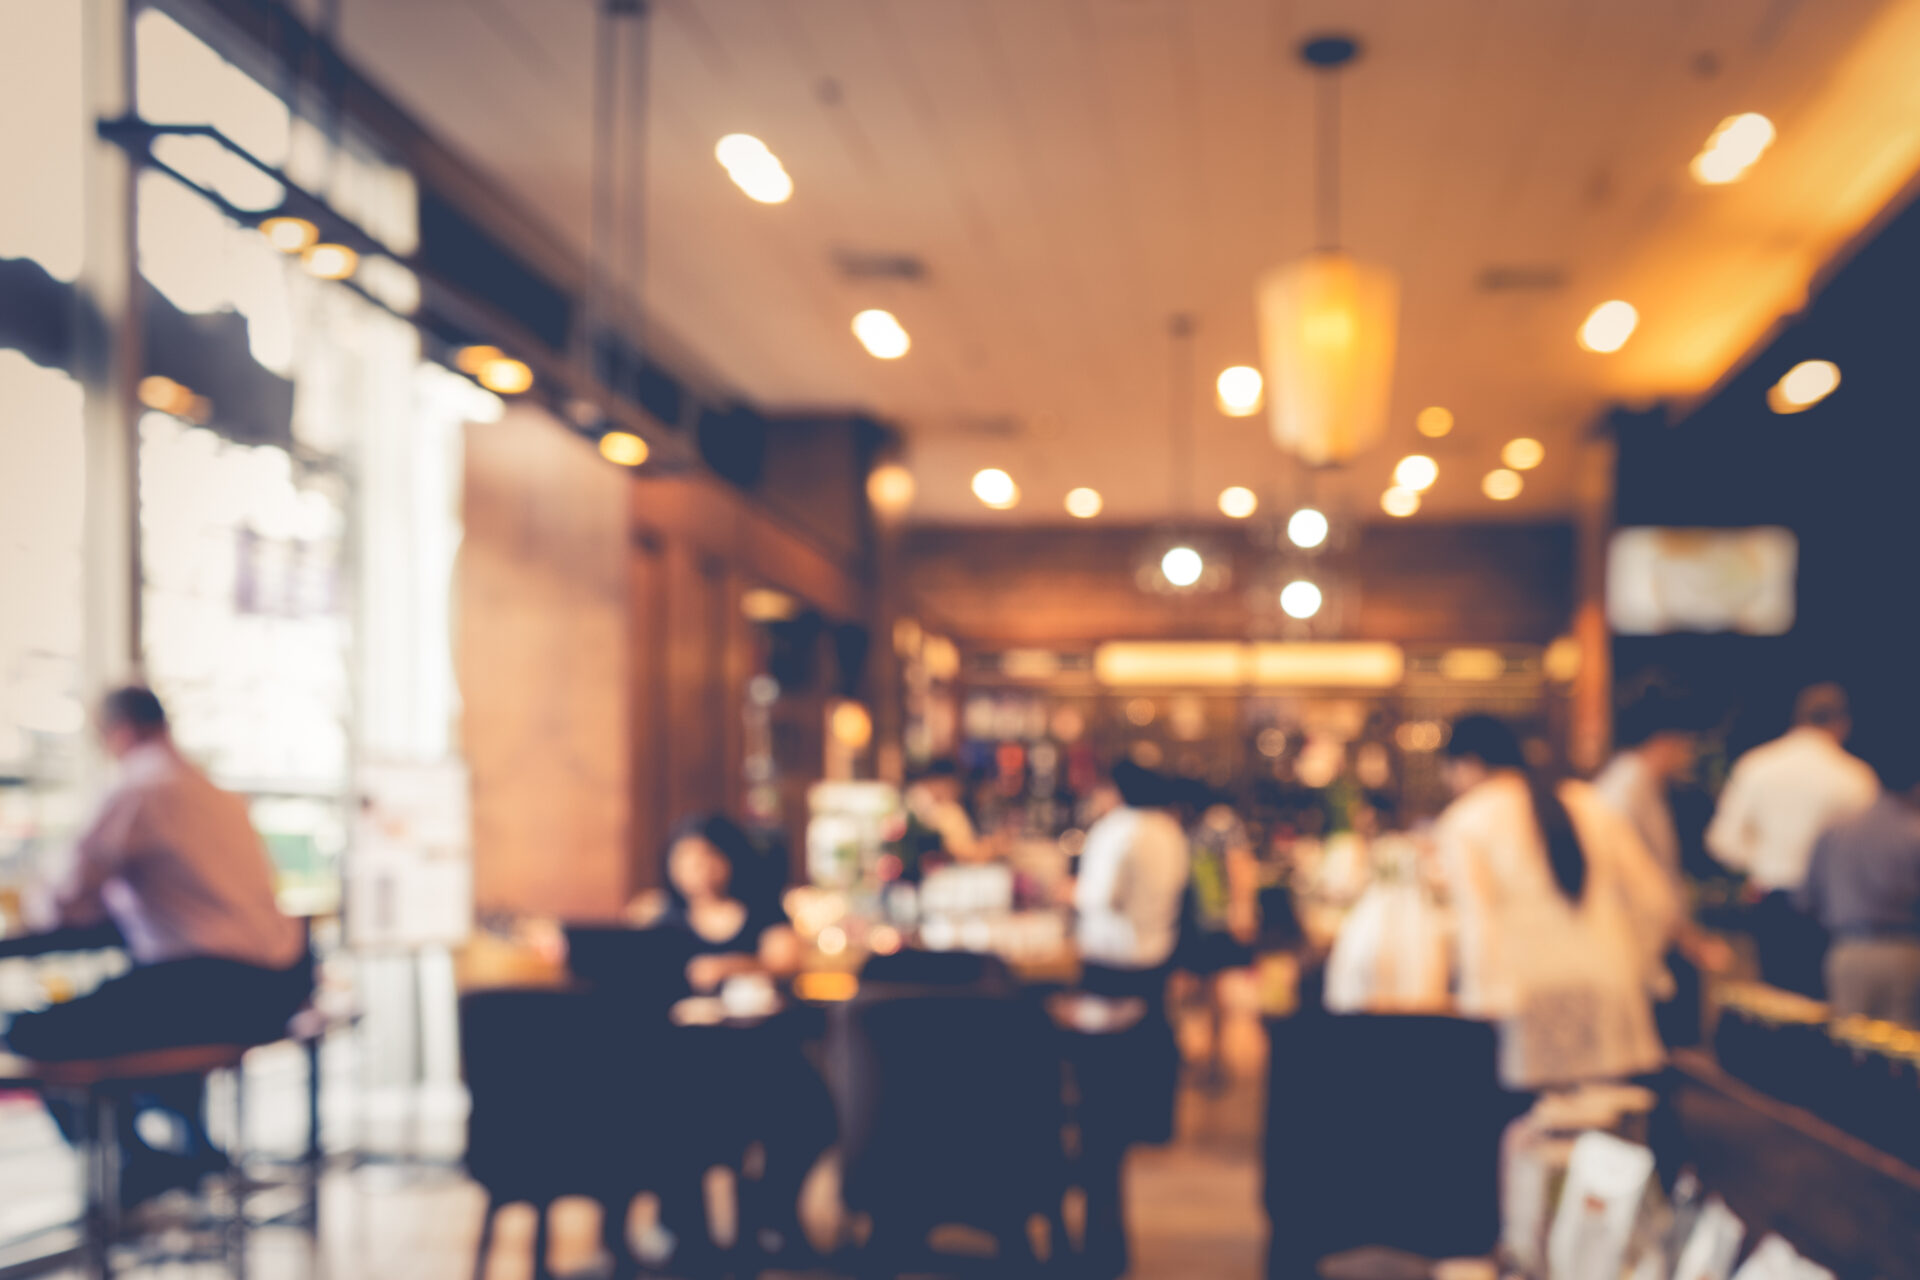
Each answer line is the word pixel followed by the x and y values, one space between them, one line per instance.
pixel 1328 146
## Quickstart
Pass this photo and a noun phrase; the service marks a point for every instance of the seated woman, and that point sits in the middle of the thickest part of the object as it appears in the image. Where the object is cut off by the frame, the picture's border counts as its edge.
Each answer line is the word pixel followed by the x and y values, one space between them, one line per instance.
pixel 743 1092
pixel 721 892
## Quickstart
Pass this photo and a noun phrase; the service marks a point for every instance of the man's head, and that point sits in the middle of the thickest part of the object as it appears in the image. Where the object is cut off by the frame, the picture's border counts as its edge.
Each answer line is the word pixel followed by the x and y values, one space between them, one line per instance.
pixel 941 779
pixel 128 717
pixel 1661 728
pixel 1824 707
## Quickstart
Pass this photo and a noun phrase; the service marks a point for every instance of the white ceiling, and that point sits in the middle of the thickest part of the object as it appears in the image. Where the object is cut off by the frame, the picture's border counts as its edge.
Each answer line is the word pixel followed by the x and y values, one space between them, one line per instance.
pixel 1074 172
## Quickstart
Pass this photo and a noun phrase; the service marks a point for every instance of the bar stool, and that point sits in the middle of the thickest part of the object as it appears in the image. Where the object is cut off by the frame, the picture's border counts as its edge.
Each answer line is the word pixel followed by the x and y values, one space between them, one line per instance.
pixel 98 1088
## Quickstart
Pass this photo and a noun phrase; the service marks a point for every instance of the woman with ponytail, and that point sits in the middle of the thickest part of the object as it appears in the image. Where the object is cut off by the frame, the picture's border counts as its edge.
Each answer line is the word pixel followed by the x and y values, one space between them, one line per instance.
pixel 1562 915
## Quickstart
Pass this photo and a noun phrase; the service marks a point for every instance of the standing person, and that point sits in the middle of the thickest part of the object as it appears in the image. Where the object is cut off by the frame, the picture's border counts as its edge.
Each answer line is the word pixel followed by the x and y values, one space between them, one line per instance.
pixel 174 862
pixel 1778 799
pixel 1222 909
pixel 1562 916
pixel 1657 749
pixel 1132 880
pixel 1863 885
pixel 933 801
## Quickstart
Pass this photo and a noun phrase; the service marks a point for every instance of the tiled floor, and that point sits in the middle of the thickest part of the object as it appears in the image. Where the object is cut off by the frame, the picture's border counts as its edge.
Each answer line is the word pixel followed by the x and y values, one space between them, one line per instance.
pixel 1194 1204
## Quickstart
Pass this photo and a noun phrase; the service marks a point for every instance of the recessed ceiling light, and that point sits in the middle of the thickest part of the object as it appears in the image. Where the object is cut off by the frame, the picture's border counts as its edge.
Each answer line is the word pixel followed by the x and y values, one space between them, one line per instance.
pixel 506 376
pixel 1434 421
pixel 1803 386
pixel 1502 485
pixel 881 334
pixel 890 488
pixel 1523 454
pixel 1182 566
pixel 1417 472
pixel 1300 599
pixel 1608 326
pixel 1732 150
pixel 1084 504
pixel 1399 503
pixel 1238 502
pixel 1238 391
pixel 1307 528
pixel 624 447
pixel 995 488
pixel 753 168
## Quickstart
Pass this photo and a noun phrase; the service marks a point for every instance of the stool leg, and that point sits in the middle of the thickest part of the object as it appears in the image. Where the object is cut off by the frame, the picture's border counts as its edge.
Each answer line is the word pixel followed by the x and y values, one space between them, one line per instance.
pixel 100 1148
pixel 316 1152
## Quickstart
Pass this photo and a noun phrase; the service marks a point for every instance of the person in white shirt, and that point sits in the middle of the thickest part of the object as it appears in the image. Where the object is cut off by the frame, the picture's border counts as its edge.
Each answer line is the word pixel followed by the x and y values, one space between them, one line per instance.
pixel 1778 800
pixel 175 863
pixel 1562 916
pixel 1133 877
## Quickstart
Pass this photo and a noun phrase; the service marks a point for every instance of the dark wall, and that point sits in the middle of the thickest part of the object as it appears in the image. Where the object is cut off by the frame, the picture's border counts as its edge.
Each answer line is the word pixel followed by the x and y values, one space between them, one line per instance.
pixel 1843 475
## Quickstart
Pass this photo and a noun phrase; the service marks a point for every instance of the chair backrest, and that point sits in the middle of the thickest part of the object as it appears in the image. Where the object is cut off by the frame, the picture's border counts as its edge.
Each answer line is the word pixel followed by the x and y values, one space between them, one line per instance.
pixel 947 969
pixel 553 1096
pixel 644 970
pixel 951 1108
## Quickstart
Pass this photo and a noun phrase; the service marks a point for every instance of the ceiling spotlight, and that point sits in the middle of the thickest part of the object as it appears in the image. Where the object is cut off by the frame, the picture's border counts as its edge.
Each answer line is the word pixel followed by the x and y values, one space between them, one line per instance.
pixel 1608 326
pixel 1084 504
pixel 290 235
pixel 890 488
pixel 1238 502
pixel 1523 454
pixel 753 168
pixel 1502 485
pixel 1434 422
pixel 506 376
pixel 1182 566
pixel 1300 599
pixel 995 488
pixel 1417 472
pixel 624 447
pixel 329 261
pixel 881 334
pixel 1238 391
pixel 1733 149
pixel 1399 503
pixel 1803 386
pixel 1307 528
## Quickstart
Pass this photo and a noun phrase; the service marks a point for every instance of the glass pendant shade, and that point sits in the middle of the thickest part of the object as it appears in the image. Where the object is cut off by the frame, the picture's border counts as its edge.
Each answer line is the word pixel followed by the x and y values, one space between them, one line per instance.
pixel 1328 324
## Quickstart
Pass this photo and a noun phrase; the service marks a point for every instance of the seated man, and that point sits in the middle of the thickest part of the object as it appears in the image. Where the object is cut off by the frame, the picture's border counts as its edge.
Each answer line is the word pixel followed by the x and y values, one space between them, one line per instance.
pixel 174 862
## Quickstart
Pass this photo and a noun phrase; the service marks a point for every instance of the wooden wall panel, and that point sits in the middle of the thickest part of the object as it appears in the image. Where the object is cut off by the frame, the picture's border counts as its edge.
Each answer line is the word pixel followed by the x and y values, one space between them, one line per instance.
pixel 544 661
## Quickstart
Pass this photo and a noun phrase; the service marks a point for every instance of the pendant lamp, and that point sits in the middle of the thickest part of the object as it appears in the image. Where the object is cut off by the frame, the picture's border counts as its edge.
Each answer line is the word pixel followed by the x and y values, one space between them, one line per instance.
pixel 1328 320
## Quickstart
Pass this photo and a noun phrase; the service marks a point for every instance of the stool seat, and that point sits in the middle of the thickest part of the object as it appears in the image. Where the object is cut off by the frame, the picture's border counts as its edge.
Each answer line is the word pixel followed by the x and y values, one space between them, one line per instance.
pixel 91 1073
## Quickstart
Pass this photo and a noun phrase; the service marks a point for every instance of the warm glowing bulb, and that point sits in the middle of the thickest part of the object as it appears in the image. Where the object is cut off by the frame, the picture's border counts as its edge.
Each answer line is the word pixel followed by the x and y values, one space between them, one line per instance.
pixel 329 261
pixel 1434 422
pixel 1732 150
pixel 995 488
pixel 753 168
pixel 1238 389
pixel 623 447
pixel 1300 599
pixel 471 360
pixel 1523 454
pixel 1417 472
pixel 881 334
pixel 1399 503
pixel 289 235
pixel 1307 528
pixel 1805 385
pixel 1238 502
pixel 1502 485
pixel 1084 504
pixel 851 726
pixel 1608 326
pixel 890 488
pixel 1182 566
pixel 506 376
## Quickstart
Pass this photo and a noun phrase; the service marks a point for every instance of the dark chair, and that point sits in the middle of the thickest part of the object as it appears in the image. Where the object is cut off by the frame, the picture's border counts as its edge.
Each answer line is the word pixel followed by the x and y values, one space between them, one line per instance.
pixel 951 1113
pixel 642 970
pixel 557 1090
pixel 1382 1130
pixel 944 969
